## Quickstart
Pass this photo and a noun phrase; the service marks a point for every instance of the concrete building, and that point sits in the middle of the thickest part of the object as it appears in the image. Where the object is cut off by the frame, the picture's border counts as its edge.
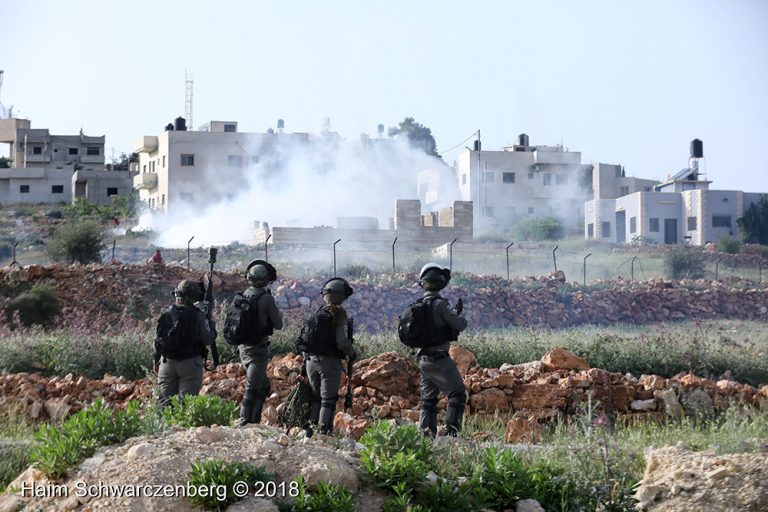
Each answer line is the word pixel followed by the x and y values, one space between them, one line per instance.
pixel 680 210
pixel 204 166
pixel 48 168
pixel 515 182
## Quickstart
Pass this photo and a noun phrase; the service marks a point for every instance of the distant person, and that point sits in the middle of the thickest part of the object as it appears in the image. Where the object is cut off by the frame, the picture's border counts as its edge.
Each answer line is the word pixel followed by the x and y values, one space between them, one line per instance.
pixel 429 324
pixel 115 222
pixel 325 340
pixel 156 260
pixel 182 337
pixel 251 319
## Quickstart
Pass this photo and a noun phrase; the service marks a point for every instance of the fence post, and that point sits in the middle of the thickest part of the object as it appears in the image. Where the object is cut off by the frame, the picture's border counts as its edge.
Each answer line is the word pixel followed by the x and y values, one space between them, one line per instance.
pixel 584 271
pixel 114 241
pixel 13 260
pixel 760 266
pixel 632 268
pixel 554 257
pixel 507 249
pixel 393 254
pixel 334 256
pixel 450 254
pixel 266 253
pixel 189 242
pixel 717 269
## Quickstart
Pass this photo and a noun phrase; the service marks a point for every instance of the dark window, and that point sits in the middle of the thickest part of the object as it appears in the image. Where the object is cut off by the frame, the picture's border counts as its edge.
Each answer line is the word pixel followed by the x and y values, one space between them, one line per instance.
pixel 72 151
pixel 530 209
pixel 560 179
pixel 111 191
pixel 590 230
pixel 37 150
pixel 530 175
pixel 623 191
pixel 721 221
pixel 235 161
pixel 488 211
pixel 647 189
pixel 163 161
pixel 653 225
pixel 725 199
pixel 691 223
pixel 187 159
pixel 24 189
pixel 606 229
pixel 508 177
pixel 547 179
pixel 632 224
pixel 92 151
pixel 230 127
pixel 57 189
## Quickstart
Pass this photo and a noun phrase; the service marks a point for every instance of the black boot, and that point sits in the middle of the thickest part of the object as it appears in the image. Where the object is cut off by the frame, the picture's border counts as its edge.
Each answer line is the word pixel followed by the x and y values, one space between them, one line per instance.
pixel 314 417
pixel 428 419
pixel 453 416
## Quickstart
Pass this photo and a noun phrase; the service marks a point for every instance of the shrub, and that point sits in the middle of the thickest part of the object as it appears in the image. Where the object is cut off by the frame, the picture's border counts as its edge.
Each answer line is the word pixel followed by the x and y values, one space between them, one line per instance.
pixel 200 411
pixel 357 271
pixel 396 454
pixel 36 306
pixel 540 229
pixel 14 458
pixel 80 242
pixel 729 245
pixel 446 496
pixel 216 481
pixel 684 263
pixel 325 498
pixel 54 214
pixel 60 448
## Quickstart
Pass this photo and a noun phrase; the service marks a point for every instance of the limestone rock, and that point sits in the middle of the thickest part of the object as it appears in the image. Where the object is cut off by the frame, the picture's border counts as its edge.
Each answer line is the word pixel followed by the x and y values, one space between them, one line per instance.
pixel 329 469
pixel 528 505
pixel 560 358
pixel 521 430
pixel 463 358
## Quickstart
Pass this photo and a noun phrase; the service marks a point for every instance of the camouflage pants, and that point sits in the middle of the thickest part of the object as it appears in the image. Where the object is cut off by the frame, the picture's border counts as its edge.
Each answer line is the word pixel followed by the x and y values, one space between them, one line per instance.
pixel 439 373
pixel 324 373
pixel 179 377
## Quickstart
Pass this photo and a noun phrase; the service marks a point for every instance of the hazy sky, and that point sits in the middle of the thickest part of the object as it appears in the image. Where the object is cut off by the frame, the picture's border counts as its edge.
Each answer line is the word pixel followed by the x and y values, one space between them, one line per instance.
pixel 622 82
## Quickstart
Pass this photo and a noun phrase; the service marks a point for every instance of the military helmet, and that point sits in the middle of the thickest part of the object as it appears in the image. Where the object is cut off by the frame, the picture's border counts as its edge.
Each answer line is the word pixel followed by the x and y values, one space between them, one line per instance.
pixel 338 286
pixel 190 290
pixel 260 273
pixel 434 277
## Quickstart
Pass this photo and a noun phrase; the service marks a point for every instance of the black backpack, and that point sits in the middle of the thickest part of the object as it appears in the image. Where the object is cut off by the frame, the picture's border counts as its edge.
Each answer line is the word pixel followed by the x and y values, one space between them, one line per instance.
pixel 318 335
pixel 417 329
pixel 241 320
pixel 175 333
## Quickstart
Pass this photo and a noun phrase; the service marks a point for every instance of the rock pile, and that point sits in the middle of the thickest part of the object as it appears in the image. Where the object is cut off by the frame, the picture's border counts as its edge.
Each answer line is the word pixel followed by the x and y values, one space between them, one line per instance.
pixel 386 386
pixel 113 291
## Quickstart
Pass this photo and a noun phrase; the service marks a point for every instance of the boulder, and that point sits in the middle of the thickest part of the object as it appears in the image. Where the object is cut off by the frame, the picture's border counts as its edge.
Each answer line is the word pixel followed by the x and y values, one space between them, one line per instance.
pixel 522 430
pixel 560 358
pixel 463 358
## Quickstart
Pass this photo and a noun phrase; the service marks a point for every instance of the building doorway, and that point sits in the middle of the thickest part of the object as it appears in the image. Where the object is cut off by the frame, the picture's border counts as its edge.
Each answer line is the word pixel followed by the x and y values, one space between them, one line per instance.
pixel 670 231
pixel 621 227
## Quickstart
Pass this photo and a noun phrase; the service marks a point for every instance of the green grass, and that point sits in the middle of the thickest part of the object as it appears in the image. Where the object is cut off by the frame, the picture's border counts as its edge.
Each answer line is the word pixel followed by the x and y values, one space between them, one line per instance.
pixel 16 433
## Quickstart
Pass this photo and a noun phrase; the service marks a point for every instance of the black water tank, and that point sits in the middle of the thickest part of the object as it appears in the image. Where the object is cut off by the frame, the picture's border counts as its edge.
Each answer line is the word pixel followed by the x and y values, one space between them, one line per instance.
pixel 477 145
pixel 697 149
pixel 522 139
pixel 280 124
pixel 181 124
pixel 169 127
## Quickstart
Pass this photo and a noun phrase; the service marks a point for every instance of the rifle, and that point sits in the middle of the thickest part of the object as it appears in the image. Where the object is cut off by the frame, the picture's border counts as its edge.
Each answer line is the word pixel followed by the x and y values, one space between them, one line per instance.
pixel 350 362
pixel 208 308
pixel 459 307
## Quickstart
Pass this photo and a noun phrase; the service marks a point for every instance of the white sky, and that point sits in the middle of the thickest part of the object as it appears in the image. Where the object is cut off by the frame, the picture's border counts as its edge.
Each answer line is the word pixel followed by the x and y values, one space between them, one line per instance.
pixel 630 82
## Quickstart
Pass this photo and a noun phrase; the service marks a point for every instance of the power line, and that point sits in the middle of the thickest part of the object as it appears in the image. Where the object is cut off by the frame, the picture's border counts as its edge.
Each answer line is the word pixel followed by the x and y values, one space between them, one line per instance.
pixel 459 144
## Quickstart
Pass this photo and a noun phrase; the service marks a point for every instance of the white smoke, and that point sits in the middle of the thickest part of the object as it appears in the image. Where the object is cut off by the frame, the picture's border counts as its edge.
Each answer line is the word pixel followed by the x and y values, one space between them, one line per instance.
pixel 296 182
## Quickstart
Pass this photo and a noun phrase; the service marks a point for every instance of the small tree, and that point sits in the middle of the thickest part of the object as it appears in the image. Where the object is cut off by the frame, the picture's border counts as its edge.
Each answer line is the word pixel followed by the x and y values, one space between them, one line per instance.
pixel 540 229
pixel 685 263
pixel 36 306
pixel 754 223
pixel 80 242
pixel 418 135
pixel 728 245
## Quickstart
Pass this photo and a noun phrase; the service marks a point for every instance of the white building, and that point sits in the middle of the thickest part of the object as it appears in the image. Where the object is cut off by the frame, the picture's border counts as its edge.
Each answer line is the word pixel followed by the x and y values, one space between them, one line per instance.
pixel 204 166
pixel 679 210
pixel 47 168
pixel 517 181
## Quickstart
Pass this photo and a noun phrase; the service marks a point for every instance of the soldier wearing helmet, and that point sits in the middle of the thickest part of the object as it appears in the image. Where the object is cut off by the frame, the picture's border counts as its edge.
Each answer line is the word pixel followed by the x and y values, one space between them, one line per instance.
pixel 182 335
pixel 325 340
pixel 255 356
pixel 438 371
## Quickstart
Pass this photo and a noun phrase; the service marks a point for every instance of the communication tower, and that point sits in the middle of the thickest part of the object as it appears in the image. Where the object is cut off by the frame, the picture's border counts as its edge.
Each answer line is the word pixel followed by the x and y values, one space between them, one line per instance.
pixel 188 94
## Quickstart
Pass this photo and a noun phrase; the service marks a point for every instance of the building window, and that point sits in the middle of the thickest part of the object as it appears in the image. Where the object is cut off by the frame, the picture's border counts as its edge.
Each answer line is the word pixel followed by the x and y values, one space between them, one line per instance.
pixel 235 161
pixel 725 199
pixel 530 175
pixel 187 159
pixel 163 161
pixel 464 179
pixel 623 191
pixel 647 189
pixel 229 127
pixel 547 179
pixel 57 189
pixel 653 225
pixel 721 221
pixel 92 151
pixel 605 227
pixel 145 169
pixel 162 200
pixel 508 177
pixel 37 150
pixel 590 230
pixel 111 191
pixel 691 223
pixel 560 179
pixel 530 209
pixel 488 212
pixel 72 151
pixel 24 189
pixel 489 177
pixel 632 224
